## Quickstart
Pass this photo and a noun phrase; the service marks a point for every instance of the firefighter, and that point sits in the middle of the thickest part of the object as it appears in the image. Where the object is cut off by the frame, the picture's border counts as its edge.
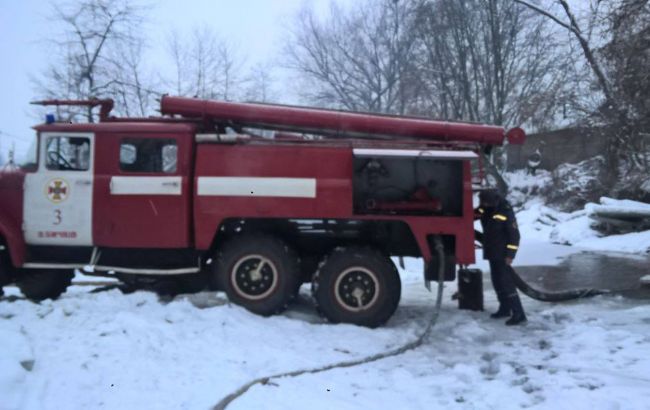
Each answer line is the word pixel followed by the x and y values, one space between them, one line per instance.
pixel 500 240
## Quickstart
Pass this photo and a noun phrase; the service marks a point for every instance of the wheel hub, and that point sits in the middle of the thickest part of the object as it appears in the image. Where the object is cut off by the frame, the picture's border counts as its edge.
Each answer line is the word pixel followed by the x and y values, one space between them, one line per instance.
pixel 357 289
pixel 254 277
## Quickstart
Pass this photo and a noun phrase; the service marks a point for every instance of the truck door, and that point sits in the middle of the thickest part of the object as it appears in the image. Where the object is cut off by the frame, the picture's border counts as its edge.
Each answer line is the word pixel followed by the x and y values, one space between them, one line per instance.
pixel 58 197
pixel 144 195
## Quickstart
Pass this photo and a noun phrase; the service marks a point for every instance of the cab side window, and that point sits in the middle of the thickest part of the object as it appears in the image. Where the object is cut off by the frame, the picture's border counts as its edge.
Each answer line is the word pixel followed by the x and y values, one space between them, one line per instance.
pixel 150 155
pixel 67 153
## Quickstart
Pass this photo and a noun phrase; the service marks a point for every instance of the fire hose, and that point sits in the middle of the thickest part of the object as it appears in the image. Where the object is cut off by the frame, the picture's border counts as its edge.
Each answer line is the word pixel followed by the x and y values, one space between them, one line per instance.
pixel 537 294
pixel 563 296
pixel 412 345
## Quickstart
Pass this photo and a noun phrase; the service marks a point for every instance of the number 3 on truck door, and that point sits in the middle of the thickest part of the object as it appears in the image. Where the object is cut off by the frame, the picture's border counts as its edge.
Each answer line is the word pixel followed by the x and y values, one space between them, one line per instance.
pixel 62 184
pixel 57 217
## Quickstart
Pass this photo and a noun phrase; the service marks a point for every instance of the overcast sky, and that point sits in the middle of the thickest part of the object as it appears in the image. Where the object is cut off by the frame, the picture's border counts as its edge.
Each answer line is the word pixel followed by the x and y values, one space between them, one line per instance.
pixel 258 27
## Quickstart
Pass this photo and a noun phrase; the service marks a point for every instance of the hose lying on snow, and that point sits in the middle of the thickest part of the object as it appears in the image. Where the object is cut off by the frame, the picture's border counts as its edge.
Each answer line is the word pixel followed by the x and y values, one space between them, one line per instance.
pixel 553 296
pixel 223 403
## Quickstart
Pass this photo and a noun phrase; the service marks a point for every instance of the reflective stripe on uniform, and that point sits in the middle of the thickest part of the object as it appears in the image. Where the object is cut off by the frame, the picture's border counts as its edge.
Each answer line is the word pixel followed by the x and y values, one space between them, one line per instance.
pixel 500 217
pixel 513 247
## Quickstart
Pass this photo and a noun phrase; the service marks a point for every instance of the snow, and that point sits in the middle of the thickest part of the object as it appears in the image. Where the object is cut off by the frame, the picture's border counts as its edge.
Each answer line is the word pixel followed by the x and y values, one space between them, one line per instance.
pixel 522 186
pixel 521 180
pixel 615 208
pixel 635 242
pixel 117 351
pixel 113 350
pixel 543 223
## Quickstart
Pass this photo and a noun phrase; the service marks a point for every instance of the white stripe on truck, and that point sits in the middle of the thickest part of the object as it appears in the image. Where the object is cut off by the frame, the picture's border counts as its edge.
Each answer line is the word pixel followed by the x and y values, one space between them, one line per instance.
pixel 372 152
pixel 257 186
pixel 146 185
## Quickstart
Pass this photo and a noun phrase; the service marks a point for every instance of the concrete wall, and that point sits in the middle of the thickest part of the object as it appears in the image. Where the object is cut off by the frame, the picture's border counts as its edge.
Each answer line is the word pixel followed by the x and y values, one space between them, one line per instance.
pixel 570 145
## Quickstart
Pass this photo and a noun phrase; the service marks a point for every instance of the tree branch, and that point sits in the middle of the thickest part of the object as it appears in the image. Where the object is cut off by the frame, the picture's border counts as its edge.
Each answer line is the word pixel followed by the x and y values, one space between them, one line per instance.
pixel 545 13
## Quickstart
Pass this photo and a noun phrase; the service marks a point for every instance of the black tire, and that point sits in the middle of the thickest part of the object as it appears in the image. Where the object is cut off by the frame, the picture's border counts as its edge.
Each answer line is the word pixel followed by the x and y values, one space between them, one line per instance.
pixel 41 284
pixel 258 272
pixel 363 270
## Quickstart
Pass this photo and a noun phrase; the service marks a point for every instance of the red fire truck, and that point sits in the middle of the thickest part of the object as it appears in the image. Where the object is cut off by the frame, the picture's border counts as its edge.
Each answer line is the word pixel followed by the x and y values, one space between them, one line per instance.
pixel 257 199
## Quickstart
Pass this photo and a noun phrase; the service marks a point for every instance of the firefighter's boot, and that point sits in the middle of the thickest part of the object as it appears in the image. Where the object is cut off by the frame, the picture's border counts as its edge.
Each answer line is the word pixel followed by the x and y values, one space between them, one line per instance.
pixel 518 315
pixel 504 308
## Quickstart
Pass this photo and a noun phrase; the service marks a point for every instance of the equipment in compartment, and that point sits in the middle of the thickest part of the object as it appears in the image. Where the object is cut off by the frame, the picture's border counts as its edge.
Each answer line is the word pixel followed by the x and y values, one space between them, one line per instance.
pixel 408 185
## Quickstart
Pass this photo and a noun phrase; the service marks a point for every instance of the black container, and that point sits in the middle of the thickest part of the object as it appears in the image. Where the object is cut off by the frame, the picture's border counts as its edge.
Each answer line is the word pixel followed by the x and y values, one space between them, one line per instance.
pixel 470 289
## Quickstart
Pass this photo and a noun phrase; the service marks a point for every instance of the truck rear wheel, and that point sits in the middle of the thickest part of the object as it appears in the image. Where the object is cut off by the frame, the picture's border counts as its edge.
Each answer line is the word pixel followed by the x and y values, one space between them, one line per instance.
pixel 258 272
pixel 357 285
pixel 41 284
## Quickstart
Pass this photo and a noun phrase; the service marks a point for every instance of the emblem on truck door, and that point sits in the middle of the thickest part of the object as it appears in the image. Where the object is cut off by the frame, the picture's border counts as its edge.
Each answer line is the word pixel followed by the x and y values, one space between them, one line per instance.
pixel 57 190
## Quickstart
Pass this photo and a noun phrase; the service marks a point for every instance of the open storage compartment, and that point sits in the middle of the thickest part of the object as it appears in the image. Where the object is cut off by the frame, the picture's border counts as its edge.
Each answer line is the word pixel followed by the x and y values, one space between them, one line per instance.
pixel 409 182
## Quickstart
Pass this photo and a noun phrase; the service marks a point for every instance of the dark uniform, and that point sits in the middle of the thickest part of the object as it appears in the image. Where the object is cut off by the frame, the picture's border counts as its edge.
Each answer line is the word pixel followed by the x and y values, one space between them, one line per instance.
pixel 500 239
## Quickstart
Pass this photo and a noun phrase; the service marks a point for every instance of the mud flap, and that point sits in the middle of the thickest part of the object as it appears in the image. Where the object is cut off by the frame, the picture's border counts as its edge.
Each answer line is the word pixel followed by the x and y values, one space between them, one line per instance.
pixel 431 269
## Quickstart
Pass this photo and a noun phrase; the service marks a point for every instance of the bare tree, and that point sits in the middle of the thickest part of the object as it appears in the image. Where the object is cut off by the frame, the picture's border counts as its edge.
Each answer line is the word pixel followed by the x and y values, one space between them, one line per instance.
pixel 488 60
pixel 178 54
pixel 205 65
pixel 134 85
pixel 615 109
pixel 92 32
pixel 626 60
pixel 478 60
pixel 580 35
pixel 260 84
pixel 359 60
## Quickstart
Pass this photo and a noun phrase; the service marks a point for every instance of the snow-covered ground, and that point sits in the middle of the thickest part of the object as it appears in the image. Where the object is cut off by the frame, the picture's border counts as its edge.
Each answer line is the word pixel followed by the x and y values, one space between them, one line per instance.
pixel 116 351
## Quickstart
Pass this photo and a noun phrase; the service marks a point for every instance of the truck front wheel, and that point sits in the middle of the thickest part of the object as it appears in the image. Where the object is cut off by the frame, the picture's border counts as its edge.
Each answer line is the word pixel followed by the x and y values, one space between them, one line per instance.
pixel 41 284
pixel 357 285
pixel 258 272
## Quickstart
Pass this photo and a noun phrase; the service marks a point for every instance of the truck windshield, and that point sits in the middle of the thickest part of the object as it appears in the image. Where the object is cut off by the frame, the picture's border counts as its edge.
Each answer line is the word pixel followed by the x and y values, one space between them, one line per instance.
pixel 28 160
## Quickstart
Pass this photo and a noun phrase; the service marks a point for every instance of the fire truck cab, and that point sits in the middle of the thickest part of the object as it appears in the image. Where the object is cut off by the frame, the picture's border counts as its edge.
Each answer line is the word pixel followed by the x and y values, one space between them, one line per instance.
pixel 198 196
